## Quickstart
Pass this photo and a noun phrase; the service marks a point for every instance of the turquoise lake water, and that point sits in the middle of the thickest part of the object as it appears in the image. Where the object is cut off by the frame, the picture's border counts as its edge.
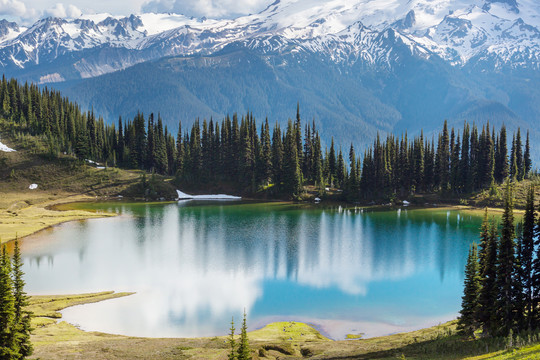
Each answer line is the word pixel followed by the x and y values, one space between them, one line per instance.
pixel 193 265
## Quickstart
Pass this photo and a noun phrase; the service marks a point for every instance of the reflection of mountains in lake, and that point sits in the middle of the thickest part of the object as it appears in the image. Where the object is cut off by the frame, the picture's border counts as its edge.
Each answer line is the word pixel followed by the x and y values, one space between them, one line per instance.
pixel 194 266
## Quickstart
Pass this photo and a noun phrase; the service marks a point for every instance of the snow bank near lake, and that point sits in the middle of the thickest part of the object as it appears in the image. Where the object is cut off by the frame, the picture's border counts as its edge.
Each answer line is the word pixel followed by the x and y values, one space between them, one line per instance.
pixel 5 148
pixel 184 196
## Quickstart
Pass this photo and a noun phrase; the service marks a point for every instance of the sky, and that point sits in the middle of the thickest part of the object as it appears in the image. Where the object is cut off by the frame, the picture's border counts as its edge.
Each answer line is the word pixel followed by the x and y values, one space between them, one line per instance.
pixel 27 11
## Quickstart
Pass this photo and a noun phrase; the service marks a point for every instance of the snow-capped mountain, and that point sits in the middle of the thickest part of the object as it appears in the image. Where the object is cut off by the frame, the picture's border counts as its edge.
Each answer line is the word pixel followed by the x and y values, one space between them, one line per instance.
pixel 491 34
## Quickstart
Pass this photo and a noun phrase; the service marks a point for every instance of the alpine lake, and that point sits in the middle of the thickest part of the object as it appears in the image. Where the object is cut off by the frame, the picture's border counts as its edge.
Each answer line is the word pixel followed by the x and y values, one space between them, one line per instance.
pixel 195 264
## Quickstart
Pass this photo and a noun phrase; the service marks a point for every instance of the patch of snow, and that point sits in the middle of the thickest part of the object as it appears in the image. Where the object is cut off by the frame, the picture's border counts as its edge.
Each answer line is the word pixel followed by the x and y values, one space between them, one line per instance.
pixel 12 34
pixel 72 29
pixel 5 148
pixel 51 78
pixel 158 23
pixel 184 196
pixel 33 186
pixel 100 167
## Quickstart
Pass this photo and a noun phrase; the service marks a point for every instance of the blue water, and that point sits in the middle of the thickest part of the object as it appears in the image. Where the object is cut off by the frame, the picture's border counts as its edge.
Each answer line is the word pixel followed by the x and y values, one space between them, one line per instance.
pixel 194 265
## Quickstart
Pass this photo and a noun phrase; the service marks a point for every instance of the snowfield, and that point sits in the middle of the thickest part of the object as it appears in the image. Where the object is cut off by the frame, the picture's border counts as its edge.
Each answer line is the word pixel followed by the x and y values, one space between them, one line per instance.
pixel 184 196
pixel 5 148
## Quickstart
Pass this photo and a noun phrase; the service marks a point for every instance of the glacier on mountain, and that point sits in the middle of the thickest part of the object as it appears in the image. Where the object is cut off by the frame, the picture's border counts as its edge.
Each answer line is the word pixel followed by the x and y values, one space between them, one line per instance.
pixel 489 33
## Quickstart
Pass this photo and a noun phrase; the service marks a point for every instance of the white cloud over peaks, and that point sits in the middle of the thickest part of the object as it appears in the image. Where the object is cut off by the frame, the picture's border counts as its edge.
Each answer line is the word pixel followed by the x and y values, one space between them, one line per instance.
pixel 61 11
pixel 208 8
pixel 12 7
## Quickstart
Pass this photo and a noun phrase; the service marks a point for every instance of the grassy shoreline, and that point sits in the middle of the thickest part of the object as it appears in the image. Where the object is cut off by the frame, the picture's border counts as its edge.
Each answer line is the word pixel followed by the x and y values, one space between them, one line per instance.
pixel 25 214
pixel 56 339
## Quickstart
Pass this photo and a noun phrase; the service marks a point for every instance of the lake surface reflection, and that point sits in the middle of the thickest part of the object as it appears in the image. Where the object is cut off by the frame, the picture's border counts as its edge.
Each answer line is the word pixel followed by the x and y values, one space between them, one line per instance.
pixel 194 265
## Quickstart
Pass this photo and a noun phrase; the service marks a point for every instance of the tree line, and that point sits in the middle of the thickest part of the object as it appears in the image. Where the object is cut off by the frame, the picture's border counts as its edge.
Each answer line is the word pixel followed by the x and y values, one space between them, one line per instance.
pixel 502 275
pixel 237 151
pixel 14 319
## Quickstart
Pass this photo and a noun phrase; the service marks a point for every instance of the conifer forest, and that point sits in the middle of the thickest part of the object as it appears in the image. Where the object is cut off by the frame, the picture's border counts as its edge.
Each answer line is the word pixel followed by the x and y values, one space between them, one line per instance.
pixel 237 150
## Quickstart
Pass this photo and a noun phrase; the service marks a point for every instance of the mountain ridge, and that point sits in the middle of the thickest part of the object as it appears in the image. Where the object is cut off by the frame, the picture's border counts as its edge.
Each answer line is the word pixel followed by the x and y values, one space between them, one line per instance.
pixel 496 33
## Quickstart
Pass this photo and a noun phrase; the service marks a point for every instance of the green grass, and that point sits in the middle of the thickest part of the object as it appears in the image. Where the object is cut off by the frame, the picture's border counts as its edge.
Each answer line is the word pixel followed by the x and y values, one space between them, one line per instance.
pixel 50 305
pixel 54 339
pixel 287 331
pixel 525 353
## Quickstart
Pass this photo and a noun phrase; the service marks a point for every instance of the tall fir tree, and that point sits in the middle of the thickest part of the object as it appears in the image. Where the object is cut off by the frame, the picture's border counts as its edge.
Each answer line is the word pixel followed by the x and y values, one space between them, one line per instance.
pixel 443 158
pixel 244 351
pixel 9 349
pixel 291 167
pixel 232 343
pixel 527 162
pixel 526 260
pixel 468 321
pixel 519 156
pixel 501 162
pixel 506 266
pixel 488 271
pixel 332 166
pixel 536 272
pixel 22 317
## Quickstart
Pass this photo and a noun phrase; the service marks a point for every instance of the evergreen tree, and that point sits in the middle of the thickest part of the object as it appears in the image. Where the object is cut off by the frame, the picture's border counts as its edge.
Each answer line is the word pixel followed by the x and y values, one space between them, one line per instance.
pixel 81 148
pixel 527 163
pixel 120 143
pixel 277 156
pixel 8 345
pixel 291 168
pixel 160 157
pixel 298 134
pixel 266 153
pixel 489 289
pixel 536 273
pixel 455 172
pixel 487 255
pixel 318 176
pixel 526 259
pixel 341 172
pixel 514 170
pixel 501 162
pixel 150 145
pixel 443 156
pixel 506 266
pixel 484 241
pixel 332 166
pixel 468 321
pixel 232 343
pixel 244 352
pixel 519 156
pixel 22 317
pixel 518 295
pixel 179 150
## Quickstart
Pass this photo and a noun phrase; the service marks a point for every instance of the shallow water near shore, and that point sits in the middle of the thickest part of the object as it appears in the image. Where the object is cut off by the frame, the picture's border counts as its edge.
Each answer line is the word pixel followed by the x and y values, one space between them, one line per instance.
pixel 194 265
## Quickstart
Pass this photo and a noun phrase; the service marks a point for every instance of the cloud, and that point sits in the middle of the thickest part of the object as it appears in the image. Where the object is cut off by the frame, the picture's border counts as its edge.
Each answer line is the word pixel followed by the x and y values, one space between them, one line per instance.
pixel 208 8
pixel 12 7
pixel 61 11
